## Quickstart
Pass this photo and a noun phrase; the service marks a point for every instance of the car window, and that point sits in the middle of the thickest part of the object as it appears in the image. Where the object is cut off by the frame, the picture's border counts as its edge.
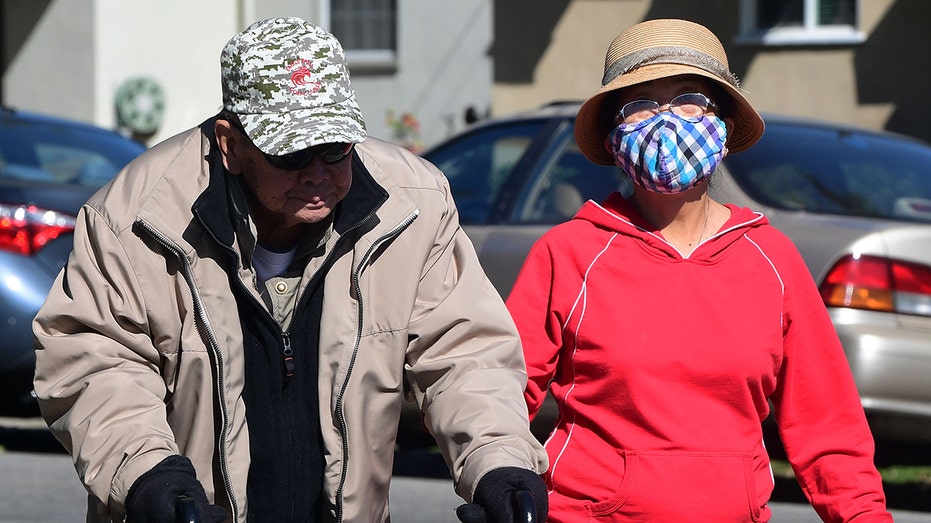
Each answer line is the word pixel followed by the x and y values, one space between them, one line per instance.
pixel 40 152
pixel 562 181
pixel 478 164
pixel 831 171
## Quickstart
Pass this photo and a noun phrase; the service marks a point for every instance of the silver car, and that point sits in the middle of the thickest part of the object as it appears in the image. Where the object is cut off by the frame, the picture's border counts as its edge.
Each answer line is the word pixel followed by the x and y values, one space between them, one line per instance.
pixel 856 203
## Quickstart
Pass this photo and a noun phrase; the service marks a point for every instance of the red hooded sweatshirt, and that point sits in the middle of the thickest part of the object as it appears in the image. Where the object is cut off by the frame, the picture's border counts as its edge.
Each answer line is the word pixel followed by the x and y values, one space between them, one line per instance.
pixel 663 367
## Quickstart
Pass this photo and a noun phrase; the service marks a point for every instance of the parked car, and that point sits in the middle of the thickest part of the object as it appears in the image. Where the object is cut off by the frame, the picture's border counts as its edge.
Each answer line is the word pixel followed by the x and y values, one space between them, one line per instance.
pixel 856 203
pixel 48 168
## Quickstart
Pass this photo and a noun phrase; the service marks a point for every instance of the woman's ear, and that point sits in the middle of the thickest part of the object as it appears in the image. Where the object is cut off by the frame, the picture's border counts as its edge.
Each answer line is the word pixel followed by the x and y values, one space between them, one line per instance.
pixel 230 144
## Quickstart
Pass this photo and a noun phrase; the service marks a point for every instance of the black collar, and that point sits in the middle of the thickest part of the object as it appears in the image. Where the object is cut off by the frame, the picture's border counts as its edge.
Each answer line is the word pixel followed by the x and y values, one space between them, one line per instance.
pixel 218 214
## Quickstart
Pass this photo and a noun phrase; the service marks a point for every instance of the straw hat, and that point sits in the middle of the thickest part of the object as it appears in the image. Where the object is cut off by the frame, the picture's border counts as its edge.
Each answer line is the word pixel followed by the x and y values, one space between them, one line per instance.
pixel 658 49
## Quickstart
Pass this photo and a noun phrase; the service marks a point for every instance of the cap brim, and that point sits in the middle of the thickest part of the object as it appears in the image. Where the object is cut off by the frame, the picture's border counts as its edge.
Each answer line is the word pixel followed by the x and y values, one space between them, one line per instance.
pixel 287 132
pixel 592 125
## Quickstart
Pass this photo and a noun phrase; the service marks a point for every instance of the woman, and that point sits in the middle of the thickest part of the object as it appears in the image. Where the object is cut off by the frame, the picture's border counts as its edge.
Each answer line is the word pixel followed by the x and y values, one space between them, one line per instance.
pixel 665 323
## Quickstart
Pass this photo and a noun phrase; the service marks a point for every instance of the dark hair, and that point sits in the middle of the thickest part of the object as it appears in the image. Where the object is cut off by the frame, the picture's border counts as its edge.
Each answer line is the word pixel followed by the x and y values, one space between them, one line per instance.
pixel 722 99
pixel 229 116
pixel 610 105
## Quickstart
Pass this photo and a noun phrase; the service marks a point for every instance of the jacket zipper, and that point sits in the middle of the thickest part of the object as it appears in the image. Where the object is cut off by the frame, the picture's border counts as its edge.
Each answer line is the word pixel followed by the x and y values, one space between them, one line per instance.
pixel 287 352
pixel 344 433
pixel 201 314
pixel 287 355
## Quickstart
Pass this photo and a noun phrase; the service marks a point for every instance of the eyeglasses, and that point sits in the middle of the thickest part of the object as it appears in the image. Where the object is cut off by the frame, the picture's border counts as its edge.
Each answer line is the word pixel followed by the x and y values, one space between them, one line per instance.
pixel 329 153
pixel 689 106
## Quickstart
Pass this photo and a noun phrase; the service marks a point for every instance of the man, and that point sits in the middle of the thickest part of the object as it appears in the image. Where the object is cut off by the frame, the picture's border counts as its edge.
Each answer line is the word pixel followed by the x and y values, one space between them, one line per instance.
pixel 249 302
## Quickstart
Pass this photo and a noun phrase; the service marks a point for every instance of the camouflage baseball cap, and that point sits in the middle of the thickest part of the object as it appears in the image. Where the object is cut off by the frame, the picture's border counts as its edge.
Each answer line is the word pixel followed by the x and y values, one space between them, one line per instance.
pixel 288 82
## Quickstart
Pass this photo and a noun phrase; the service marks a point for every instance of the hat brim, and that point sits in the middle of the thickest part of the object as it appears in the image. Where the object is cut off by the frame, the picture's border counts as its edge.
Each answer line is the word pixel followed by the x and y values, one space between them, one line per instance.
pixel 291 131
pixel 592 126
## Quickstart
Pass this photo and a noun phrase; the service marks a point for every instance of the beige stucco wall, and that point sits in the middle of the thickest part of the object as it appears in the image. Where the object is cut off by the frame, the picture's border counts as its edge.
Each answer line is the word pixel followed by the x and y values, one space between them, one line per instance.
pixel 572 66
pixel 816 82
pixel 813 81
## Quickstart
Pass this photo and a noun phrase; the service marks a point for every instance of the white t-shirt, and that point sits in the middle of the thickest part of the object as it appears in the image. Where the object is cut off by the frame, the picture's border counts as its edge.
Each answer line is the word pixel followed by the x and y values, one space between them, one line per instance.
pixel 269 264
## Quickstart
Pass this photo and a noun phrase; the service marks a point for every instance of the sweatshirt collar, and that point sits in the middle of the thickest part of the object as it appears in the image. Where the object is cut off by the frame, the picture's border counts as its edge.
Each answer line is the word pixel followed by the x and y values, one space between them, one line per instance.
pixel 616 213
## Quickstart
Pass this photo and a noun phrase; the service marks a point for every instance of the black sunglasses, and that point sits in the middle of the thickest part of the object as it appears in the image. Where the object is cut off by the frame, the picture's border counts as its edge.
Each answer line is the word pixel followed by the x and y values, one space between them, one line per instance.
pixel 329 153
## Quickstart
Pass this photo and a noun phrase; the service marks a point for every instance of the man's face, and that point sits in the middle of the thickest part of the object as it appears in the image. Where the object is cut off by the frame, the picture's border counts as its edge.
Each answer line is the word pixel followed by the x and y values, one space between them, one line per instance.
pixel 307 195
pixel 288 197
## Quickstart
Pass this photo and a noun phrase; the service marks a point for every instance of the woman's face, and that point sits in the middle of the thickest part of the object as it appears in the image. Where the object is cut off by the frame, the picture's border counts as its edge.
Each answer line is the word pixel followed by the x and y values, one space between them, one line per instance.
pixel 664 153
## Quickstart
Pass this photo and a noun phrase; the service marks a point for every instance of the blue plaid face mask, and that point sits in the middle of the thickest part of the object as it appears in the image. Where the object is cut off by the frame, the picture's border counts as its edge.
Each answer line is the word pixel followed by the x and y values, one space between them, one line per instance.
pixel 667 153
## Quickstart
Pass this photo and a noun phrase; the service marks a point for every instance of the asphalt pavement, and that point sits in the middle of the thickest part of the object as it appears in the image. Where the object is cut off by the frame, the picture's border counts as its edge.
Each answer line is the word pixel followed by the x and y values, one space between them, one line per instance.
pixel 43 488
pixel 38 484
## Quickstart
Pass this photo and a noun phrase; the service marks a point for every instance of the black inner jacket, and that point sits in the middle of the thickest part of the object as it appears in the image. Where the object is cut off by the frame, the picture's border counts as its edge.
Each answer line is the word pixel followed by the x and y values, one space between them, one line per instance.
pixel 280 392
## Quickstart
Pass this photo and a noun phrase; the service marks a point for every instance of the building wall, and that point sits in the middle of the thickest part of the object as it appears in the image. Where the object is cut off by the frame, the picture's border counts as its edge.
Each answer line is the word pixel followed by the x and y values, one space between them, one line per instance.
pixel 571 62
pixel 818 82
pixel 175 42
pixel 99 44
pixel 443 68
pixel 49 57
pixel 69 58
pixel 875 84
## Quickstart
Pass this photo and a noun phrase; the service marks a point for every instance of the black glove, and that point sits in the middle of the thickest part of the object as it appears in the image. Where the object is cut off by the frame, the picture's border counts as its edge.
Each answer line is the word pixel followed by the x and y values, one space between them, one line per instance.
pixel 153 497
pixel 494 500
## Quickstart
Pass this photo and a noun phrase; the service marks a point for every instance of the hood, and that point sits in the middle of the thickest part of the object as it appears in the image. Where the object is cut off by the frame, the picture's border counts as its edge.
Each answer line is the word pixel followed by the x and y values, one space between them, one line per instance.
pixel 617 214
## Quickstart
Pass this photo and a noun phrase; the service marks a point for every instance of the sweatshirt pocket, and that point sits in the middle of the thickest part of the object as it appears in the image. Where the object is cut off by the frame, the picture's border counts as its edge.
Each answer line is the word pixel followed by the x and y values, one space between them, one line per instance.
pixel 676 486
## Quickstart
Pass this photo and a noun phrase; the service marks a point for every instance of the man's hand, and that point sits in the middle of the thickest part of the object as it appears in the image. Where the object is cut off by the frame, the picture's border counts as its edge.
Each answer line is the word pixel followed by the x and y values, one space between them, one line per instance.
pixel 493 501
pixel 153 498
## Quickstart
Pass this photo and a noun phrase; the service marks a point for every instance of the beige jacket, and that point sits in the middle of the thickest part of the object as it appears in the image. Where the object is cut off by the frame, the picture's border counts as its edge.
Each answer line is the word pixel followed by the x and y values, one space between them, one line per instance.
pixel 139 345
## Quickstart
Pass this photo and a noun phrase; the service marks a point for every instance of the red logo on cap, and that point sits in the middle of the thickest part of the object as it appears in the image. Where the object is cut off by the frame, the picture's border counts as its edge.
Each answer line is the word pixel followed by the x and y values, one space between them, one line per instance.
pixel 301 77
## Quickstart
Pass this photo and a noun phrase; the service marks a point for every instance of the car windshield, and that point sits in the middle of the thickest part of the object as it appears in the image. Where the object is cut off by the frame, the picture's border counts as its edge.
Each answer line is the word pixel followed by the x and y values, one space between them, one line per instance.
pixel 49 153
pixel 835 171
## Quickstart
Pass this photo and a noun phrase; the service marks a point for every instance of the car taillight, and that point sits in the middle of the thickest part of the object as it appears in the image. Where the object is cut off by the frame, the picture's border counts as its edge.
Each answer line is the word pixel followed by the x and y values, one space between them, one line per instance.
pixel 879 284
pixel 25 229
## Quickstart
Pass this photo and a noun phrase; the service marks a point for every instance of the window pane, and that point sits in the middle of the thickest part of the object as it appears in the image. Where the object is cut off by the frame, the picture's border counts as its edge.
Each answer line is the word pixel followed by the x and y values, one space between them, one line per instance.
pixel 780 13
pixel 837 12
pixel 49 153
pixel 563 182
pixel 364 24
pixel 824 171
pixel 478 164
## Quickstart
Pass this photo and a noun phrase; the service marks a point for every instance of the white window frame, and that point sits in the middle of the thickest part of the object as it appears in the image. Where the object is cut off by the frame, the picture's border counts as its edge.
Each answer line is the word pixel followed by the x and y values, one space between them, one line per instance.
pixel 808 34
pixel 368 59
